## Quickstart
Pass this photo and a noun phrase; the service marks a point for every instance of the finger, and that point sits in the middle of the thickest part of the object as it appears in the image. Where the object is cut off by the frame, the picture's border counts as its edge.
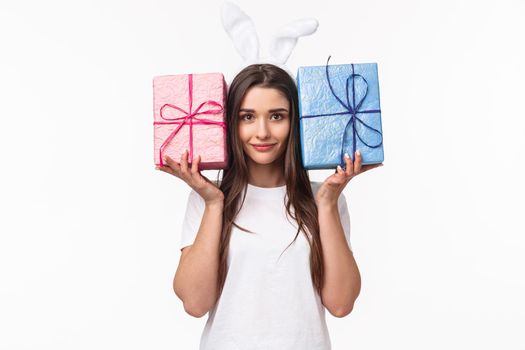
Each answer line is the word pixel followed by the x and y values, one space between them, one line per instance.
pixel 349 165
pixel 184 162
pixel 165 169
pixel 358 162
pixel 195 165
pixel 339 171
pixel 172 164
pixel 339 176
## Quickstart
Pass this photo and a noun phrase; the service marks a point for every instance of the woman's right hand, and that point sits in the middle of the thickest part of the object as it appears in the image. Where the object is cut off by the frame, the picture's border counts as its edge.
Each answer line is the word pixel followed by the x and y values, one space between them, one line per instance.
pixel 192 176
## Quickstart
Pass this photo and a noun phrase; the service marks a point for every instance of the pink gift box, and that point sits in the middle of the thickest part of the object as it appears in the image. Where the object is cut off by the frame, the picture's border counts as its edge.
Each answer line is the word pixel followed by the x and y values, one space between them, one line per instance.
pixel 189 113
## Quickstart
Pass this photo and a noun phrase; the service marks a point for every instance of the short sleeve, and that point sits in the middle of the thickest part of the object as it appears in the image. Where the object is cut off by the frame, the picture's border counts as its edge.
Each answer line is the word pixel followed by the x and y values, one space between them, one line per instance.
pixel 192 219
pixel 345 217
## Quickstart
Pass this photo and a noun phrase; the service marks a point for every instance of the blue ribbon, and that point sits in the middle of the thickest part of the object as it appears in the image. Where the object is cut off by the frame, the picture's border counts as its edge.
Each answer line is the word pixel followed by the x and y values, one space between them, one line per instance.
pixel 350 110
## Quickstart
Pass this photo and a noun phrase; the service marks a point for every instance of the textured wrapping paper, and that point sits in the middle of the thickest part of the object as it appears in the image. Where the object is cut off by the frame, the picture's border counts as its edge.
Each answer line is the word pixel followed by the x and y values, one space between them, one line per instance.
pixel 189 114
pixel 339 113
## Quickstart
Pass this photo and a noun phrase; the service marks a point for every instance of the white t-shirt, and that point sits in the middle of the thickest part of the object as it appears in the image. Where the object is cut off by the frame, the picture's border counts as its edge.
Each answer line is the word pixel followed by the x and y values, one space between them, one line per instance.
pixel 266 303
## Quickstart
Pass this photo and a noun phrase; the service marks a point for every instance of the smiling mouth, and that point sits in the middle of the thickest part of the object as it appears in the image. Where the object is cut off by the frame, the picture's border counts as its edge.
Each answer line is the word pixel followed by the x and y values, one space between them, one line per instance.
pixel 263 147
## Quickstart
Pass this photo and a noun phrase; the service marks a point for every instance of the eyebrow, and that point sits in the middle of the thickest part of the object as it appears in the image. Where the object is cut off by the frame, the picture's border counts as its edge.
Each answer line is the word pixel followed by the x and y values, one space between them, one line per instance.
pixel 270 110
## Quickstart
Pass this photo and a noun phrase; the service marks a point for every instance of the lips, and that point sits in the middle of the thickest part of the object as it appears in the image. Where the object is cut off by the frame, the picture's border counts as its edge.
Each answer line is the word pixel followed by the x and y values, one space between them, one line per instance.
pixel 261 147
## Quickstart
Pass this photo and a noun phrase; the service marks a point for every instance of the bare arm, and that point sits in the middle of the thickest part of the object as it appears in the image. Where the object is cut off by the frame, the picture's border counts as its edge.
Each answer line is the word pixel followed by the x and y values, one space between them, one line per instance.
pixel 195 281
pixel 342 282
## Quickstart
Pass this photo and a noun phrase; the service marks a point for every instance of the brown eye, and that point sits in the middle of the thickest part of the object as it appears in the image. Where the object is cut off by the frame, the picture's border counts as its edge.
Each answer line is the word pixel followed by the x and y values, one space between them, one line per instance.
pixel 279 116
pixel 246 117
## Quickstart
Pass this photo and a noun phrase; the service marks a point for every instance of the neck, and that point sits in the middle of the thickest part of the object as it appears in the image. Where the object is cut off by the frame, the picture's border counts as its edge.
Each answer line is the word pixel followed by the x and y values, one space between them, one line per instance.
pixel 266 175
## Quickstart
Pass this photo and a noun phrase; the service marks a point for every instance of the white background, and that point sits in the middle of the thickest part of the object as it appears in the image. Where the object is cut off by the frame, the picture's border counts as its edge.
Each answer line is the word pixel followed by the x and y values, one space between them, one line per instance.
pixel 90 231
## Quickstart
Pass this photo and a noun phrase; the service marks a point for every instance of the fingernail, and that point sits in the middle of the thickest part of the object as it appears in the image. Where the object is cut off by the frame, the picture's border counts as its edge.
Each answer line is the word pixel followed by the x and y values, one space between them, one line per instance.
pixel 358 152
pixel 347 156
pixel 339 168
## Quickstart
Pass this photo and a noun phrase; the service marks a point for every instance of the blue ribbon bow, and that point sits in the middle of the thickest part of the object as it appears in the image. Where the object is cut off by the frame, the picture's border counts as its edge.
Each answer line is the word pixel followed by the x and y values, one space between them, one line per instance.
pixel 353 109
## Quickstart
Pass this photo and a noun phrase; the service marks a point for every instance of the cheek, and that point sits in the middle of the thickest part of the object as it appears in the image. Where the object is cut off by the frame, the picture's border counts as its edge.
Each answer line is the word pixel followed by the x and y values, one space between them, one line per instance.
pixel 283 131
pixel 244 133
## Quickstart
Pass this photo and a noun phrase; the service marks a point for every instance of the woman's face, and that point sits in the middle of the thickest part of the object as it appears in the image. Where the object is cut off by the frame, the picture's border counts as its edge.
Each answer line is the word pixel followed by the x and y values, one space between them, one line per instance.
pixel 264 124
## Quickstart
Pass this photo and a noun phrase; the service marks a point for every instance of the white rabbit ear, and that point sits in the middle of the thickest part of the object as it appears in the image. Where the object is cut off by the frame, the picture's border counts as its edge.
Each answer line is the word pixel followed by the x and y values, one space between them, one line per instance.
pixel 285 39
pixel 241 30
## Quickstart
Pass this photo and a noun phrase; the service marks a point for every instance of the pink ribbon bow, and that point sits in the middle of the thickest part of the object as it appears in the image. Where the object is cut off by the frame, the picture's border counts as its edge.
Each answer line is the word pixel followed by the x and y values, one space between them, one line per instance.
pixel 190 118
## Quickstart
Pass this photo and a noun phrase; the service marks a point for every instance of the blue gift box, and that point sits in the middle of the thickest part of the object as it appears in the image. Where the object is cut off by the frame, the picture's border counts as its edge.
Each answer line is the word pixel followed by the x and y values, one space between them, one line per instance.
pixel 339 113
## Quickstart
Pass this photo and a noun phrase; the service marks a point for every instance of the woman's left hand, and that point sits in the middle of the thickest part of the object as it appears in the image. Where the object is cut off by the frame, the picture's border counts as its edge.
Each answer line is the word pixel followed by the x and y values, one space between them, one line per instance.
pixel 332 187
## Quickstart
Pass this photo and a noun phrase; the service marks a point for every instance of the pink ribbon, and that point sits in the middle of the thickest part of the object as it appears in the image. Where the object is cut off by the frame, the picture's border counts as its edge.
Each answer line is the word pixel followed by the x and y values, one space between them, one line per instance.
pixel 190 118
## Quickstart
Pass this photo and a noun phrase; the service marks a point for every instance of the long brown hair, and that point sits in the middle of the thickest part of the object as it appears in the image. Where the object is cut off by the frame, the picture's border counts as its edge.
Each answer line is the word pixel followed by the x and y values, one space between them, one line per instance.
pixel 235 177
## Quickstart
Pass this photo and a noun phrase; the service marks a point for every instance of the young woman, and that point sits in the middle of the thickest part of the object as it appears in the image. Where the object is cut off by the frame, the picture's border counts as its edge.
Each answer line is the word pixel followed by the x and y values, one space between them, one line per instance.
pixel 265 251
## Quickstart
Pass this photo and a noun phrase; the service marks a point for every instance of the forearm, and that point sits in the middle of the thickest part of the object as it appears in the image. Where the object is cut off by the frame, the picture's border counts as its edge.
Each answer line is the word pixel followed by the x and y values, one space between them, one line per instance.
pixel 195 281
pixel 342 281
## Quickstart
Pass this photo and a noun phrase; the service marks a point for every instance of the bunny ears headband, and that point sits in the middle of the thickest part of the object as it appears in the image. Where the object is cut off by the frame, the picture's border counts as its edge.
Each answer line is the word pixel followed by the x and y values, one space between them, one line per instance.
pixel 241 29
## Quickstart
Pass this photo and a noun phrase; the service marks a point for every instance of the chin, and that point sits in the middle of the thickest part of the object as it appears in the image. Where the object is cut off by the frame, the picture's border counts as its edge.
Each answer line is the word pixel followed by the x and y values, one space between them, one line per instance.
pixel 260 159
pixel 264 159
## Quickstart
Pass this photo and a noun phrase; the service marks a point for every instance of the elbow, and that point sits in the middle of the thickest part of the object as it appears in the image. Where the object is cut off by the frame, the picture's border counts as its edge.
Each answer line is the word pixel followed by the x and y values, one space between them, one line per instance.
pixel 176 288
pixel 192 308
pixel 195 310
pixel 341 312
pixel 341 307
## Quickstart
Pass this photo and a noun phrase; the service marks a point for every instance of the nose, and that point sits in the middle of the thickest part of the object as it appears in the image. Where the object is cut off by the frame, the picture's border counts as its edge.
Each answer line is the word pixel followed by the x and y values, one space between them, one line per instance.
pixel 263 130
